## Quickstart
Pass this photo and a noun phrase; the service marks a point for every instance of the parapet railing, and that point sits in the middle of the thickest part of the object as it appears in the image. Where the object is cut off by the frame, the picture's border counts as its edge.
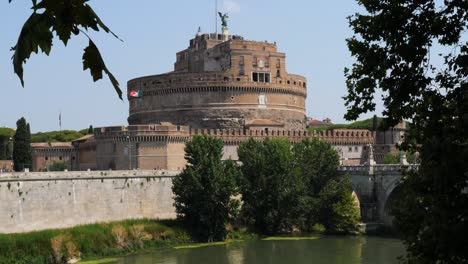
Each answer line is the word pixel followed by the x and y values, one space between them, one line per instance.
pixel 378 168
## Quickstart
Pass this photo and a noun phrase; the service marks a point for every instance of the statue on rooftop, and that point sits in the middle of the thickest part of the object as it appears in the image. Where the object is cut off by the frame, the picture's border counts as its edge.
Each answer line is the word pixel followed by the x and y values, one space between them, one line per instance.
pixel 223 19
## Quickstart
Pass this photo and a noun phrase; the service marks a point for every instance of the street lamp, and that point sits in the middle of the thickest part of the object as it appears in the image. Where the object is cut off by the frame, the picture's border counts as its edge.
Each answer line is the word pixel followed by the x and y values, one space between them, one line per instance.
pixel 10 149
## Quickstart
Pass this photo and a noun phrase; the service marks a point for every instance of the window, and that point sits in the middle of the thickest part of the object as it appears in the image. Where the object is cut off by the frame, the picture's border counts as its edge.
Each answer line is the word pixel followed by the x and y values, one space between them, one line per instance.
pixel 46 158
pixel 241 70
pixel 241 60
pixel 278 63
pixel 261 77
pixel 356 149
pixel 267 62
pixel 254 61
pixel 278 73
pixel 350 149
pixel 60 158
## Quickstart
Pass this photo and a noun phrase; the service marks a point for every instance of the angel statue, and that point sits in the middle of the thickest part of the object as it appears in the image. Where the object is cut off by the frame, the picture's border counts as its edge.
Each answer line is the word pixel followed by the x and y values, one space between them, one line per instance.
pixel 223 19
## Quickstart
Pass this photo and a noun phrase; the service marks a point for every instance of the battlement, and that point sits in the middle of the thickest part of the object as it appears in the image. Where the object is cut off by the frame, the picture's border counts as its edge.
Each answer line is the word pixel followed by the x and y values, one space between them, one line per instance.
pixel 235 136
pixel 139 132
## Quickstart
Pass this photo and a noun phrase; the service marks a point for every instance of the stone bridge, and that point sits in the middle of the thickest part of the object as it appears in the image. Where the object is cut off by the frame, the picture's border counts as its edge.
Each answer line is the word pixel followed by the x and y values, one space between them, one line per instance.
pixel 376 186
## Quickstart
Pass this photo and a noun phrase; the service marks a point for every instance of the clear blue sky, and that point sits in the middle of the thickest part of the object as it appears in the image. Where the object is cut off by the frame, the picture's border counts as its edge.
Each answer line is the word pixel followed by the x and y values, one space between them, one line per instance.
pixel 311 33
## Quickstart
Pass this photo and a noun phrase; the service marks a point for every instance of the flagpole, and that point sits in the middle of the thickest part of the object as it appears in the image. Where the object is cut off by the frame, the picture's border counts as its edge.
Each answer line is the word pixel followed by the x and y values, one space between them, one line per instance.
pixel 216 18
pixel 60 120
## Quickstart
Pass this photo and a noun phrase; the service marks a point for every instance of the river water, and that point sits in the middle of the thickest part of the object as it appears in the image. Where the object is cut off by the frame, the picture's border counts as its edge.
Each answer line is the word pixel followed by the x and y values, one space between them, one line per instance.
pixel 325 250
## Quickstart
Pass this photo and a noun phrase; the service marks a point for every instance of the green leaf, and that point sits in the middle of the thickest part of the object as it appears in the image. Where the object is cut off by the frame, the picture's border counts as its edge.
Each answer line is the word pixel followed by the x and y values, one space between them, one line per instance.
pixel 36 33
pixel 93 61
pixel 99 21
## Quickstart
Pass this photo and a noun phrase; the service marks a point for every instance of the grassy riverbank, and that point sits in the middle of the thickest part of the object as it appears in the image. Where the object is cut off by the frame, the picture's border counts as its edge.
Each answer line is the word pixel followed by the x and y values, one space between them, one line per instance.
pixel 104 240
pixel 90 241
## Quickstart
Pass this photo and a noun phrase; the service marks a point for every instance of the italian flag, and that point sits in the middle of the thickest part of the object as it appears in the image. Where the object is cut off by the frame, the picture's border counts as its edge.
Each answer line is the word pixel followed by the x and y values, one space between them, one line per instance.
pixel 135 93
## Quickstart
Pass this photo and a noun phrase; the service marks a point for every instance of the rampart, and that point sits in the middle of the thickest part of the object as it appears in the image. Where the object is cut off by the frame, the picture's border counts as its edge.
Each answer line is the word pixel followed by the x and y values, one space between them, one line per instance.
pixel 149 133
pixel 37 201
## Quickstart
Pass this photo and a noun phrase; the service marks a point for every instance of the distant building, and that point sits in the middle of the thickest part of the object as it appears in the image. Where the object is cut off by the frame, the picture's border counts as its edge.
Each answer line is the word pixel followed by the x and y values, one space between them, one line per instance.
pixel 45 155
pixel 310 122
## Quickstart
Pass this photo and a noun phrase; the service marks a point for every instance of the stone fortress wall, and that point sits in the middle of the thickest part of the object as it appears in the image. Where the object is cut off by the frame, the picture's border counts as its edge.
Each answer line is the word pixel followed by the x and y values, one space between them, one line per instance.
pixel 36 201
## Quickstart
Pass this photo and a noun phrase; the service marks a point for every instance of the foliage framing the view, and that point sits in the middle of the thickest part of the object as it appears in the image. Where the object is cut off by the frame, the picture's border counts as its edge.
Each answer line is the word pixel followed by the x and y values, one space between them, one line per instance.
pixel 64 17
pixel 394 47
pixel 204 190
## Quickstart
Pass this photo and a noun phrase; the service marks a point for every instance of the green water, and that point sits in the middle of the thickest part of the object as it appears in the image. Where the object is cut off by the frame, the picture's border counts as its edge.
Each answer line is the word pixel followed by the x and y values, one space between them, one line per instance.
pixel 326 250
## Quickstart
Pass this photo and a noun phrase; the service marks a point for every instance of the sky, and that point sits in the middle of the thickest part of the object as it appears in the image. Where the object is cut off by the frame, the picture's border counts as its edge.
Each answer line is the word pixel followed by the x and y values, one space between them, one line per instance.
pixel 311 33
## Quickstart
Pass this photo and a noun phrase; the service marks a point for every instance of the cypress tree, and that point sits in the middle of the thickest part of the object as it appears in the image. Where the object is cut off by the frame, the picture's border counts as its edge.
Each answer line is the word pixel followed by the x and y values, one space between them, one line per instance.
pixel 22 157
pixel 91 129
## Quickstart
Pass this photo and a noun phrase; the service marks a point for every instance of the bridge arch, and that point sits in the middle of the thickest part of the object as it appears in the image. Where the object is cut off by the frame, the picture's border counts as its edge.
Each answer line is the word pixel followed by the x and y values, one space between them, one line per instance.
pixel 390 202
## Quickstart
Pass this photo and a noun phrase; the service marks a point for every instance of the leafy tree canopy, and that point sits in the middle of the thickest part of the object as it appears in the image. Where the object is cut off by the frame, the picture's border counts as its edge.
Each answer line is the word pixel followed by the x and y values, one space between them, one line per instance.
pixel 56 136
pixel 283 187
pixel 396 44
pixel 64 18
pixel 361 124
pixel 6 132
pixel 204 190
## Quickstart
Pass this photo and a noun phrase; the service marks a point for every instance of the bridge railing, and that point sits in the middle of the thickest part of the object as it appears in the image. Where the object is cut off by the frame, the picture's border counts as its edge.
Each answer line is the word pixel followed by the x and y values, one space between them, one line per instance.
pixel 377 168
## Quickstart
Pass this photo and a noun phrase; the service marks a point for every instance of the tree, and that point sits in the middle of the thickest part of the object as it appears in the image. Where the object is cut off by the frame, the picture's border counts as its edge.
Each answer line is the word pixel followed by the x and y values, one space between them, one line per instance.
pixel 328 196
pixel 392 46
pixel 6 143
pixel 22 157
pixel 390 158
pixel 337 209
pixel 204 190
pixel 64 18
pixel 270 187
pixel 90 130
pixel 58 166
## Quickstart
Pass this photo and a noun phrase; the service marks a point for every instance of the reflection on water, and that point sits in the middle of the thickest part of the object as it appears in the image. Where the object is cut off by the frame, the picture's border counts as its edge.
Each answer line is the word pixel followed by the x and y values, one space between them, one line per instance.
pixel 327 250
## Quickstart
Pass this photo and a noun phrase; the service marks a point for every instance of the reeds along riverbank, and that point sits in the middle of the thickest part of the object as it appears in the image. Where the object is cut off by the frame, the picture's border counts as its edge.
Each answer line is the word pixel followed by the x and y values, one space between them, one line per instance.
pixel 89 241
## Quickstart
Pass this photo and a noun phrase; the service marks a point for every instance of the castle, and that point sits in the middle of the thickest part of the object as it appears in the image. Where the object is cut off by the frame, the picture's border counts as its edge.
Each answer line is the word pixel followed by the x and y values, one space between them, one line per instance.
pixel 223 86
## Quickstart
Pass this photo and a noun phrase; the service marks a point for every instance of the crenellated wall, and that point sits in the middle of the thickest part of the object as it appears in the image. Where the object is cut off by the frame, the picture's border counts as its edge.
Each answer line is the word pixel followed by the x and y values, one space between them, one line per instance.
pixel 162 146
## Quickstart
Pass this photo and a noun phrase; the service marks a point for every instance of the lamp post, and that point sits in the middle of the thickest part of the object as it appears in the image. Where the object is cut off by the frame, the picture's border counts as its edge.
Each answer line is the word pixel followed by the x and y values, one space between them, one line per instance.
pixel 10 149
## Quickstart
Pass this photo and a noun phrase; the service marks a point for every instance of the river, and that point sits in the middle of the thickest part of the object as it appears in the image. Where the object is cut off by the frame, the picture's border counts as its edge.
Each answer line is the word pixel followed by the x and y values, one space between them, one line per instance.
pixel 325 250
